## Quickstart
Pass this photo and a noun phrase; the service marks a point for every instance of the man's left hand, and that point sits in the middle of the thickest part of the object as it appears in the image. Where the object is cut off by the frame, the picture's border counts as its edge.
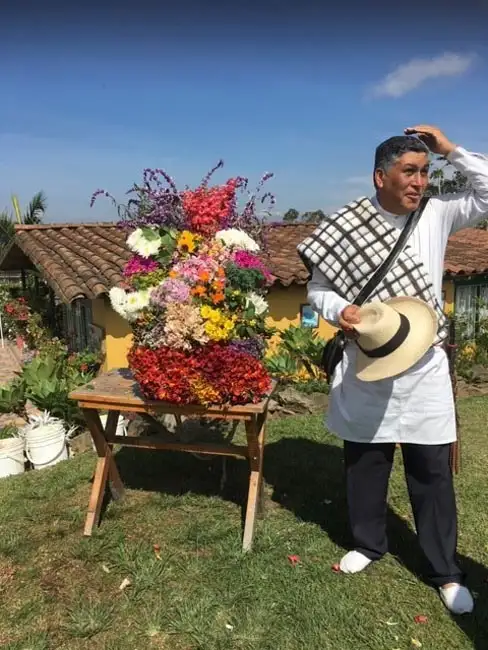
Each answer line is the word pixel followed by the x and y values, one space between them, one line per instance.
pixel 433 138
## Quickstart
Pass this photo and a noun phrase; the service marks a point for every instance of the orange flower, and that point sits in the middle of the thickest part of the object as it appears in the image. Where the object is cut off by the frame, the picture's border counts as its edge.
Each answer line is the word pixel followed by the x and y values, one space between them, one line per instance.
pixel 204 276
pixel 217 297
pixel 199 290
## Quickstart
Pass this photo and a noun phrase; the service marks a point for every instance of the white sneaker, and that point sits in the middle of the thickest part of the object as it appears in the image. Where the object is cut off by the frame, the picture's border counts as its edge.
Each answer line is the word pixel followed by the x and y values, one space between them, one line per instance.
pixel 354 562
pixel 457 599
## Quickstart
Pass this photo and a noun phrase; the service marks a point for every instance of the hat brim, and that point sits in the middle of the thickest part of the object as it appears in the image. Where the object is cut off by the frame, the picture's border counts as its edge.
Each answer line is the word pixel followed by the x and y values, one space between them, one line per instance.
pixel 424 323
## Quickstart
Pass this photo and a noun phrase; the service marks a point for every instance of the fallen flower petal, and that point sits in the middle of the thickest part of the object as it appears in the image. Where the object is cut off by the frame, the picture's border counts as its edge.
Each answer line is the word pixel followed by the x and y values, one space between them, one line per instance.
pixel 416 643
pixel 421 619
pixel 294 559
pixel 105 568
pixel 336 568
pixel 157 551
pixel 125 583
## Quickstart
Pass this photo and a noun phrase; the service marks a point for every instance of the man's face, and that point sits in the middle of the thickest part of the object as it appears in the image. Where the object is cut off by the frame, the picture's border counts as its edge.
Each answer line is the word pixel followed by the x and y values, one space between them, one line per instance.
pixel 403 185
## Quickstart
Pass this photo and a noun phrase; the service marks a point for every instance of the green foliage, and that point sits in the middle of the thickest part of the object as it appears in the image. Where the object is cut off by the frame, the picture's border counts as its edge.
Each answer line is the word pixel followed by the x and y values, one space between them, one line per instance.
pixel 304 344
pixel 313 386
pixel 36 209
pixel 291 216
pixel 442 183
pixel 281 364
pixel 19 319
pixel 244 279
pixel 313 216
pixel 32 215
pixel 451 182
pixel 472 347
pixel 12 397
pixel 297 357
pixel 47 380
pixel 9 431
pixel 141 281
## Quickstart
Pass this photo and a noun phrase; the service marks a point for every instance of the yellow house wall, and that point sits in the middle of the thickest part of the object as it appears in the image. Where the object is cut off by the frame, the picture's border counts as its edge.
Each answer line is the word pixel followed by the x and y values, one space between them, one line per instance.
pixel 284 309
pixel 118 335
pixel 448 288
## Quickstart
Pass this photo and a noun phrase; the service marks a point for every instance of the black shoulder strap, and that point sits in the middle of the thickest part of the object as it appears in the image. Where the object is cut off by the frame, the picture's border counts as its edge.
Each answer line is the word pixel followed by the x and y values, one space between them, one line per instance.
pixel 382 270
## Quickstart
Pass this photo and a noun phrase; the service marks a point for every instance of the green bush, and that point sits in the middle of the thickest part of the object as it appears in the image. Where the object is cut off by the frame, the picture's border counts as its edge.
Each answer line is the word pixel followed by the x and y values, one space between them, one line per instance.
pixel 297 358
pixel 47 381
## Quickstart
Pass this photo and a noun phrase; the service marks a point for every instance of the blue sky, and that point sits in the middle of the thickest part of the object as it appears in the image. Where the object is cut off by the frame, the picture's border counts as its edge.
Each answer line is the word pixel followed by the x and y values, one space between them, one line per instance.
pixel 90 99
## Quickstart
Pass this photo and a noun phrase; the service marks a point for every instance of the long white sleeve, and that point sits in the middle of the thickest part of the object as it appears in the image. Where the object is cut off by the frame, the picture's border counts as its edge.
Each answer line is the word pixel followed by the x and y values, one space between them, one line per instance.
pixel 323 299
pixel 466 208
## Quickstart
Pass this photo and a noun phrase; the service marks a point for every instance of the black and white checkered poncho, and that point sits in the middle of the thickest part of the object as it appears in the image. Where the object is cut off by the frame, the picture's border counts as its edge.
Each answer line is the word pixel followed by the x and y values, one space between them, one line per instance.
pixel 349 245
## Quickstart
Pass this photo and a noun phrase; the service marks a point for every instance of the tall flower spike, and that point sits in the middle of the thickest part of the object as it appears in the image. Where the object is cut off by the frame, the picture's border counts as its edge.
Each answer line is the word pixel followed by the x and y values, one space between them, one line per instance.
pixel 209 175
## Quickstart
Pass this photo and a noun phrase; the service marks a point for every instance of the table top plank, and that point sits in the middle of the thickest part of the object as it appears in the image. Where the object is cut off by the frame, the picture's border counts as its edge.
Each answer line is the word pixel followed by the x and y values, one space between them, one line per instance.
pixel 118 388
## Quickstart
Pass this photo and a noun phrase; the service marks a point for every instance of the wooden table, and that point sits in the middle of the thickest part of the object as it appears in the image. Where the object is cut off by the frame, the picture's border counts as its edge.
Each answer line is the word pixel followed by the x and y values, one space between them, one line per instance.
pixel 116 391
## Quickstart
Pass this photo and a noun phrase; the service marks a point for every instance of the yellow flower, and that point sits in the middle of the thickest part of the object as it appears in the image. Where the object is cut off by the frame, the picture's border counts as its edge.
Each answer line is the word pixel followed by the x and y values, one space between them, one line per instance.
pixel 252 322
pixel 220 331
pixel 205 311
pixel 204 392
pixel 187 241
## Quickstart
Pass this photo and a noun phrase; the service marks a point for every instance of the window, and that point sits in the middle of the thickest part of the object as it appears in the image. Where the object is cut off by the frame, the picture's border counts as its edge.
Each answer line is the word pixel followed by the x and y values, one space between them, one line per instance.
pixel 308 317
pixel 470 304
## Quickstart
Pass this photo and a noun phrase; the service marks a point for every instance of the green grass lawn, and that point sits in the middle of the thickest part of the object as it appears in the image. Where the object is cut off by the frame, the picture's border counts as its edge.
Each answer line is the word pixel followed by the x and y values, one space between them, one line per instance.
pixel 60 590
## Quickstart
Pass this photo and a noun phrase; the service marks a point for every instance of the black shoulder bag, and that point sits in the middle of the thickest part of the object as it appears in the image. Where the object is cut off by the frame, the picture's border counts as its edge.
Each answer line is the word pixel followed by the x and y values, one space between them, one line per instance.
pixel 334 348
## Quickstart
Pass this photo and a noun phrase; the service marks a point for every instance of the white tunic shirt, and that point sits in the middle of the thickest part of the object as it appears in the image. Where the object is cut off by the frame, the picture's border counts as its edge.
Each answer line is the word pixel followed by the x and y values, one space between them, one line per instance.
pixel 416 406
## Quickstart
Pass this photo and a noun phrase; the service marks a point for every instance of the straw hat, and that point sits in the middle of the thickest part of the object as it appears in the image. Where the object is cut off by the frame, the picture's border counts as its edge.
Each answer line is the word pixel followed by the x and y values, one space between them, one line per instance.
pixel 393 336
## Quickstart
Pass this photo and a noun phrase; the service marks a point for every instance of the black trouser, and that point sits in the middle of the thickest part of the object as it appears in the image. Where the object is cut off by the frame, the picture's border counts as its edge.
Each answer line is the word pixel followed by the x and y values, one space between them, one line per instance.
pixel 430 486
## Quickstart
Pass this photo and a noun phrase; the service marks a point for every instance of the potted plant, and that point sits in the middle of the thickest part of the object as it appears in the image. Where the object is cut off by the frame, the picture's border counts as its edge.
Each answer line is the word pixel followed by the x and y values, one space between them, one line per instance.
pixel 12 460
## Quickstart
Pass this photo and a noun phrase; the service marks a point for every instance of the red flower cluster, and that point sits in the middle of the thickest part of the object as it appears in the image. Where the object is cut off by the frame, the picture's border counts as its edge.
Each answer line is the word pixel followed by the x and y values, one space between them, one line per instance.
pixel 208 208
pixel 17 309
pixel 212 374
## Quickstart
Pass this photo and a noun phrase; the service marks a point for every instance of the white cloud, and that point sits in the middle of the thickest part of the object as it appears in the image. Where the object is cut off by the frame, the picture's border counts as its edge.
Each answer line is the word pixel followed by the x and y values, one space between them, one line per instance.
pixel 411 75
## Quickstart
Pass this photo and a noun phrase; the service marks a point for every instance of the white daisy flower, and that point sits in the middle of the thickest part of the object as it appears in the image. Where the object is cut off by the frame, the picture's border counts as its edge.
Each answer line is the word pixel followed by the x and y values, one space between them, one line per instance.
pixel 139 243
pixel 259 303
pixel 235 238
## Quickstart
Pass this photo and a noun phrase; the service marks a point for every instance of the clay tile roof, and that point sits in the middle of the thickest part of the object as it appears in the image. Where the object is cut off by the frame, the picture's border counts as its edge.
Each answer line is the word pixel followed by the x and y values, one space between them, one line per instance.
pixel 283 260
pixel 467 253
pixel 86 260
pixel 77 260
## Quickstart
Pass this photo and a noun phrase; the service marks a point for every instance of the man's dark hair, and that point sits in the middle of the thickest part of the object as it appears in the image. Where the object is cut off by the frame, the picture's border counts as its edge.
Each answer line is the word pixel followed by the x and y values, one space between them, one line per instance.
pixel 388 152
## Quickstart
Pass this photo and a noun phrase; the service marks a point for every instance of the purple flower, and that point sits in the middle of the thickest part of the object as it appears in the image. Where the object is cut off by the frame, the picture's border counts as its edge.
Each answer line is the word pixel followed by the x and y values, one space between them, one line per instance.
pixel 157 201
pixel 255 347
pixel 171 290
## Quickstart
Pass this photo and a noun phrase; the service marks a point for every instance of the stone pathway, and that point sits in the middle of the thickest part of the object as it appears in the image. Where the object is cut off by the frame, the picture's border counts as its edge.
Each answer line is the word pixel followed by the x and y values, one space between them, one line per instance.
pixel 10 362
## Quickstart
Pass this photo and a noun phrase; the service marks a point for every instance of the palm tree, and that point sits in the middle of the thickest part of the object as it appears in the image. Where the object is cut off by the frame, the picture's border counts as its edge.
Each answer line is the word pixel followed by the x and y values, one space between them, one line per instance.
pixel 32 215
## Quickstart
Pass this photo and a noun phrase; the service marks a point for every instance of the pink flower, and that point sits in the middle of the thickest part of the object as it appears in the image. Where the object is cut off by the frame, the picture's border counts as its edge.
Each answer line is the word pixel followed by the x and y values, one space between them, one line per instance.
pixel 171 290
pixel 191 268
pixel 246 260
pixel 139 264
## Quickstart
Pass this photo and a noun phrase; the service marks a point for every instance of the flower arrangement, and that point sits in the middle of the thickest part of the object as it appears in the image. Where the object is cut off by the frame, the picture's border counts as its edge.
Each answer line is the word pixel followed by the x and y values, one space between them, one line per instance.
pixel 195 290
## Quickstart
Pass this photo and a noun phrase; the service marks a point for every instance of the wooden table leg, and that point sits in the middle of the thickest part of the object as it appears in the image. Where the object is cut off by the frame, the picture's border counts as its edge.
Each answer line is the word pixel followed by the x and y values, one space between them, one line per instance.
pixel 106 467
pixel 255 430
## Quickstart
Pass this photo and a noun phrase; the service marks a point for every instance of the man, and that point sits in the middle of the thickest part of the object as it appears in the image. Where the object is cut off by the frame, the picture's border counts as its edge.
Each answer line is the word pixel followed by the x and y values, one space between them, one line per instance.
pixel 415 408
